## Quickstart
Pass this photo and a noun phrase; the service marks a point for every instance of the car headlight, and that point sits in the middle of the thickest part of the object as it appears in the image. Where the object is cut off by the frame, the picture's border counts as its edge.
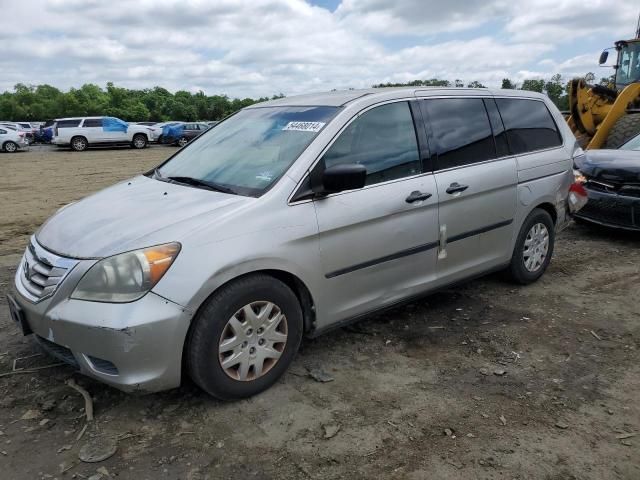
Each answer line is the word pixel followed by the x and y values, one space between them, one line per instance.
pixel 126 277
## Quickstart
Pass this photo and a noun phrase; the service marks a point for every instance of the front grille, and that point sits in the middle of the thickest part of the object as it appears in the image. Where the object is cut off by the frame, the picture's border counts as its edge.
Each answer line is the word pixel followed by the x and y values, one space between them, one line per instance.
pixel 627 190
pixel 43 271
pixel 58 351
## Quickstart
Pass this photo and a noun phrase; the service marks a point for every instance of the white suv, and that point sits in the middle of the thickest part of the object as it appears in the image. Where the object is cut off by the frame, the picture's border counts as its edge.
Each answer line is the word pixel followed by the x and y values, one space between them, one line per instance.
pixel 82 132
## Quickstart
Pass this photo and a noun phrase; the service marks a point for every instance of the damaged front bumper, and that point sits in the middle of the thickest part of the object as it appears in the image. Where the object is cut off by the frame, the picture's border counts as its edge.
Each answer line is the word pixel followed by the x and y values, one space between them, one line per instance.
pixel 135 347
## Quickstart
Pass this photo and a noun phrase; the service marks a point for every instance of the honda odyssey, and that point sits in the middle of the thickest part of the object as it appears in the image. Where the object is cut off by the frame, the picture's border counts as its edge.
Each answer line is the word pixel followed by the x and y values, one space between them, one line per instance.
pixel 292 217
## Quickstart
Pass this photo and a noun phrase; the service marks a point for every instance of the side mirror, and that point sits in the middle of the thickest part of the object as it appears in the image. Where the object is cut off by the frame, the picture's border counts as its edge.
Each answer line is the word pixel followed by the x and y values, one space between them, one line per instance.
pixel 603 57
pixel 343 177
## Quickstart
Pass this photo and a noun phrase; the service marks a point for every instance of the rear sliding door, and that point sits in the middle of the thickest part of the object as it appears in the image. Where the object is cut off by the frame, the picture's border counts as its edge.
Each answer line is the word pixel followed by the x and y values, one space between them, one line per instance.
pixel 476 182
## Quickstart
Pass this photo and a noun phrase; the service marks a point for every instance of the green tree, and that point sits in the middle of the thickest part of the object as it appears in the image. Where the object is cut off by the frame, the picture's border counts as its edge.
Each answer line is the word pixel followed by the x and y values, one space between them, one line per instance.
pixel 508 84
pixel 533 85
pixel 555 90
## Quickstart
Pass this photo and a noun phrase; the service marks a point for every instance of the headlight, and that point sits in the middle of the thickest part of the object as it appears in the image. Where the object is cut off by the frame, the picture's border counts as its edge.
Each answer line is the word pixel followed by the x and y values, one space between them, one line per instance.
pixel 128 276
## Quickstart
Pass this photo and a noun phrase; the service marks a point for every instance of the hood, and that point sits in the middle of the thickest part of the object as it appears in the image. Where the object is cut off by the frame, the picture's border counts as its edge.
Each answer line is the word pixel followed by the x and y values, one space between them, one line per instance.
pixel 617 166
pixel 137 213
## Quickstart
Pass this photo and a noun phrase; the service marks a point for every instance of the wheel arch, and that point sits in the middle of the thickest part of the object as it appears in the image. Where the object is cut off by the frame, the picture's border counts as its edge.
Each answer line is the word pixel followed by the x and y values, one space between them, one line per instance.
pixel 549 208
pixel 291 280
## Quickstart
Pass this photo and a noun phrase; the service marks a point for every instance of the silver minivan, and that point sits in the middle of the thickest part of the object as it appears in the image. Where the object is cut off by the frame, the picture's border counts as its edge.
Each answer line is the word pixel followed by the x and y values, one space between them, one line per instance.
pixel 292 217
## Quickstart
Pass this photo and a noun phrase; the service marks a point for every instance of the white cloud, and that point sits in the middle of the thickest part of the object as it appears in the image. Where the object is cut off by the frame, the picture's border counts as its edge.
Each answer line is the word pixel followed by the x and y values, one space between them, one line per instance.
pixel 261 47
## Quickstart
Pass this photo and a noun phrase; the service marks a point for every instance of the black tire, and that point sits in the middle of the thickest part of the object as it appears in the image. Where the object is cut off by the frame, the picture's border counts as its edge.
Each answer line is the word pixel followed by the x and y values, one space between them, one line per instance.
pixel 202 346
pixel 517 270
pixel 79 144
pixel 10 147
pixel 627 127
pixel 139 141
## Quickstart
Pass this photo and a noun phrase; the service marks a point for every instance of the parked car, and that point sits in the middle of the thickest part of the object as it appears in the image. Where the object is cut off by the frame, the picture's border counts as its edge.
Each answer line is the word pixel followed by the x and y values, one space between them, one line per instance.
pixel 294 217
pixel 611 178
pixel 158 129
pixel 182 133
pixel 12 140
pixel 80 133
pixel 20 127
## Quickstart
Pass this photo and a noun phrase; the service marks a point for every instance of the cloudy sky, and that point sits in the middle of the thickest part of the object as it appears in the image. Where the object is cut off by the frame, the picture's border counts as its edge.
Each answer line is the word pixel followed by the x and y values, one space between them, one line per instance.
pixel 262 47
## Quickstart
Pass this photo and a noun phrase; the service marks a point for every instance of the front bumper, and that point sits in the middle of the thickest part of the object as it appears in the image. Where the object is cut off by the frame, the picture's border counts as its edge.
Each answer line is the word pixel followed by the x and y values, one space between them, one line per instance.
pixel 611 210
pixel 135 347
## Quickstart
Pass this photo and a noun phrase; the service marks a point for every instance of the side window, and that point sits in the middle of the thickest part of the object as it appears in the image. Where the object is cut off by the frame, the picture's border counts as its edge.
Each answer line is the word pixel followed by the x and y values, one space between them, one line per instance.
pixel 499 132
pixel 68 123
pixel 382 139
pixel 92 122
pixel 3 132
pixel 461 131
pixel 529 125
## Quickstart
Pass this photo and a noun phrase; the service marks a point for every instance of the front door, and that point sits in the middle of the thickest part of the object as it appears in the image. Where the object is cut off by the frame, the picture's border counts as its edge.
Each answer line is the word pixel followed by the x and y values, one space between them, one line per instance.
pixel 378 244
pixel 477 186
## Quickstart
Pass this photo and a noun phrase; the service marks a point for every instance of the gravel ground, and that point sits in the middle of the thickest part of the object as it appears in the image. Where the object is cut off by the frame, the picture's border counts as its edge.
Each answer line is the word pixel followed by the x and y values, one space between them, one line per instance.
pixel 484 380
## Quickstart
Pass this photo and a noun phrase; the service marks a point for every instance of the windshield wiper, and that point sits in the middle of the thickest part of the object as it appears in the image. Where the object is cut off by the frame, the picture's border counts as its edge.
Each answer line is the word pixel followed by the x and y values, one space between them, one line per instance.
pixel 196 182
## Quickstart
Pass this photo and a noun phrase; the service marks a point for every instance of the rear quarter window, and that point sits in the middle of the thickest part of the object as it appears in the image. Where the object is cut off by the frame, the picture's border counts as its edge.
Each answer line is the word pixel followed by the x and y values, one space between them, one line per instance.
pixel 529 125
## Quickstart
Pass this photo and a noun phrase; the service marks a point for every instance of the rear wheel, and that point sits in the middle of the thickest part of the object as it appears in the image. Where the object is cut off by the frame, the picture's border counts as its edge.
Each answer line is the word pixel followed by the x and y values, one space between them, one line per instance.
pixel 244 337
pixel 627 127
pixel 139 141
pixel 79 144
pixel 10 147
pixel 534 247
pixel 183 141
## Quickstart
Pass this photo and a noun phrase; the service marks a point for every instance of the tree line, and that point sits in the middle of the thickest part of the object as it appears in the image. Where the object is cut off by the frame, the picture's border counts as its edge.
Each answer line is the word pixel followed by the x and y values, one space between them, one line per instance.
pixel 556 88
pixel 44 102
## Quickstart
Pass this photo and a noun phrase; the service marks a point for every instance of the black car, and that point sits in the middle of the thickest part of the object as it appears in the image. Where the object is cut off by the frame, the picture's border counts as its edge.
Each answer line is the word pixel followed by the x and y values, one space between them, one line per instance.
pixel 612 181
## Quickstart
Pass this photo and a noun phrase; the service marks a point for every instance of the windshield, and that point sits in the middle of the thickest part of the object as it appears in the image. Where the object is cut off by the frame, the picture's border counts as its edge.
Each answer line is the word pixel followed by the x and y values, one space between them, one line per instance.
pixel 633 144
pixel 251 150
pixel 628 64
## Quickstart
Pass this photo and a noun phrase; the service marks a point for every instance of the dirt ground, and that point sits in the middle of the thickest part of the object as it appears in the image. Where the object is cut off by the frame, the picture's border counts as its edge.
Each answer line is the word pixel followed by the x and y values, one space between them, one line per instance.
pixel 485 380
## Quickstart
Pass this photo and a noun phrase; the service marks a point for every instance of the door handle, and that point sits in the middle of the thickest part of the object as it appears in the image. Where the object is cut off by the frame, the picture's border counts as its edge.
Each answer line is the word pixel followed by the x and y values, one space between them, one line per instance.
pixel 455 187
pixel 417 196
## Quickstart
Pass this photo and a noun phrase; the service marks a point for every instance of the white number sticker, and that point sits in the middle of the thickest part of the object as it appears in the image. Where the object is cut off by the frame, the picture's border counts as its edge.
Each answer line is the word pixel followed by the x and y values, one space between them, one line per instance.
pixel 304 126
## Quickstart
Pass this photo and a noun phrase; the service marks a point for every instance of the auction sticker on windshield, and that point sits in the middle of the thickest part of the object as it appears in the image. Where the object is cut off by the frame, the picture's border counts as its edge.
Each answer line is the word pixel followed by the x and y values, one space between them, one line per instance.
pixel 304 126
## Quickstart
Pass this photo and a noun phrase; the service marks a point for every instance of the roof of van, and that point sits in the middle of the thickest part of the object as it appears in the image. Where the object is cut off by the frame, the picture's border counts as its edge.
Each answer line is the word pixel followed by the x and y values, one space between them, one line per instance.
pixel 338 98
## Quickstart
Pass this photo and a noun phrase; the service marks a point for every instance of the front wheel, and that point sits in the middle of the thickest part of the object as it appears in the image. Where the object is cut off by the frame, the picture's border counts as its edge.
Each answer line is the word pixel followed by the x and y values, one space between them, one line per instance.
pixel 244 337
pixel 10 147
pixel 139 141
pixel 534 247
pixel 183 141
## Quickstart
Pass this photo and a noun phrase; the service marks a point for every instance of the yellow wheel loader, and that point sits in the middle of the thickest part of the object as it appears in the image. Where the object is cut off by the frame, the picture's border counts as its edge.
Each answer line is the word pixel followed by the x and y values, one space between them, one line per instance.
pixel 604 117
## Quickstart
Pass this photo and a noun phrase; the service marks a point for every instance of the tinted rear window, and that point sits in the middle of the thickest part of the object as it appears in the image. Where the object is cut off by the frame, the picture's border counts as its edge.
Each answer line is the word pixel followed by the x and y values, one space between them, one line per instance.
pixel 68 123
pixel 92 122
pixel 529 125
pixel 461 131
